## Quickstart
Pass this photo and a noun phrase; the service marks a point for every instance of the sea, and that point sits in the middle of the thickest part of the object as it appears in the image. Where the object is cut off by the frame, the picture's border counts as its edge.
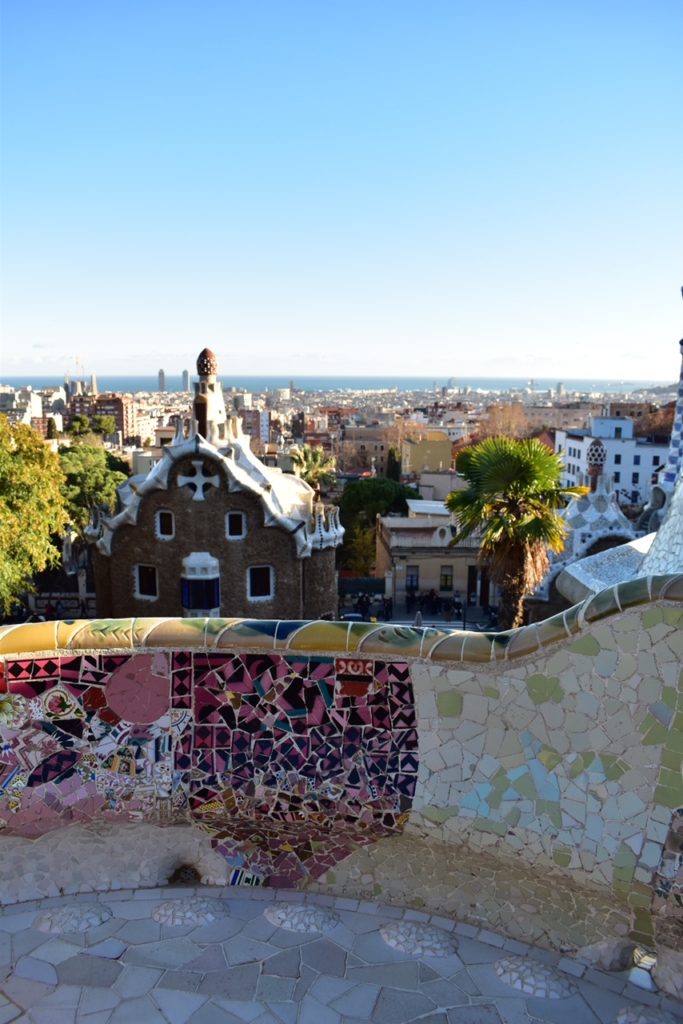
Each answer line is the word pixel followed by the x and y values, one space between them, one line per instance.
pixel 258 383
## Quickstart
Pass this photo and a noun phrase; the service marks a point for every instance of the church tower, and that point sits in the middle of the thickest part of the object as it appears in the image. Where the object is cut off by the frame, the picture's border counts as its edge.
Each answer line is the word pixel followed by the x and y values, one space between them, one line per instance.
pixel 209 406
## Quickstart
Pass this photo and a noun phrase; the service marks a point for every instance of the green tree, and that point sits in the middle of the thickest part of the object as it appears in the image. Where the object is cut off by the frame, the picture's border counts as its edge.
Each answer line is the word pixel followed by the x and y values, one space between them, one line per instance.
pixel 104 425
pixel 52 432
pixel 361 551
pixel 92 477
pixel 313 465
pixel 393 465
pixel 360 504
pixel 32 509
pixel 366 499
pixel 512 500
pixel 80 424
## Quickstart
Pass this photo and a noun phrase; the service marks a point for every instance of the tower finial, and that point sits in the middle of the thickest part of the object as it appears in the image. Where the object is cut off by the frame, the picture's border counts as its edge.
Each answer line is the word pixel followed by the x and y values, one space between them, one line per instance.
pixel 207 363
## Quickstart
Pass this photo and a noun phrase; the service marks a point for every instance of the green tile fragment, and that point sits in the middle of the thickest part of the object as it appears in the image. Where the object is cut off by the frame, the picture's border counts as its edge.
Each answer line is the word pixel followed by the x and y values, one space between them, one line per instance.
pixel 671 779
pixel 674 741
pixel 585 645
pixel 562 856
pixel 549 758
pixel 525 786
pixel 615 770
pixel 544 688
pixel 642 921
pixel 491 691
pixel 439 814
pixel 668 796
pixel 652 617
pixel 640 899
pixel 624 857
pixel 550 808
pixel 672 759
pixel 581 764
pixel 634 592
pixel 669 697
pixel 449 704
pixel 657 734
pixel 484 825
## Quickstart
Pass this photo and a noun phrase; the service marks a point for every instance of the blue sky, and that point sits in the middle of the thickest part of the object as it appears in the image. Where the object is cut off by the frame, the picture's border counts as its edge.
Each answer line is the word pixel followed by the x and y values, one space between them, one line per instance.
pixel 446 188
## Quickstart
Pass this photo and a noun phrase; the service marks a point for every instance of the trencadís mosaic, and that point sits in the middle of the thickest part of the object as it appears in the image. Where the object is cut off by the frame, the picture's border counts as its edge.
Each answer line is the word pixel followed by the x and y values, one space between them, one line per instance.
pixel 288 763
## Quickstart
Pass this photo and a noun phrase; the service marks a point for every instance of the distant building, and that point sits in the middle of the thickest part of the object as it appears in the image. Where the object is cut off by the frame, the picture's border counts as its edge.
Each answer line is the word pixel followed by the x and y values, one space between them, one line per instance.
pixel 256 423
pixel 659 552
pixel 22 405
pixel 243 400
pixel 415 555
pixel 622 407
pixel 122 407
pixel 186 380
pixel 631 462
pixel 432 452
pixel 437 486
pixel 565 416
pixel 162 381
pixel 363 447
pixel 211 530
pixel 594 522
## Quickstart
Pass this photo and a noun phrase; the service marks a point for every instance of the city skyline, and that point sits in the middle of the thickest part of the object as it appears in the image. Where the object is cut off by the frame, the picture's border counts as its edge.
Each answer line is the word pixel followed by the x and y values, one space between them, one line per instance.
pixel 444 192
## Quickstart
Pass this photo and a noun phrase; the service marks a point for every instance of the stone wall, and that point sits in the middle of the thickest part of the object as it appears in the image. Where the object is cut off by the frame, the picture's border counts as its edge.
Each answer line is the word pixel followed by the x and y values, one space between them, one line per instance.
pixel 531 779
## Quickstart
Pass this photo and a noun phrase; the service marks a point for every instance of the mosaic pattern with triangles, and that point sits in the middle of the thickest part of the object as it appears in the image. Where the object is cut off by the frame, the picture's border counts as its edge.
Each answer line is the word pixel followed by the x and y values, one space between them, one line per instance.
pixel 288 763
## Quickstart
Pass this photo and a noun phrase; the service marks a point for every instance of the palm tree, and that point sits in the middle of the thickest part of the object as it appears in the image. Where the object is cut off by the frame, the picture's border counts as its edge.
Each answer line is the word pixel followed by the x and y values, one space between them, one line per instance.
pixel 512 499
pixel 313 465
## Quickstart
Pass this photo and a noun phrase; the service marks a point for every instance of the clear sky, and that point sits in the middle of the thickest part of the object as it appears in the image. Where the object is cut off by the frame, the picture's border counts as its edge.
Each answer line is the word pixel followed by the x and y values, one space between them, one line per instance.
pixel 443 187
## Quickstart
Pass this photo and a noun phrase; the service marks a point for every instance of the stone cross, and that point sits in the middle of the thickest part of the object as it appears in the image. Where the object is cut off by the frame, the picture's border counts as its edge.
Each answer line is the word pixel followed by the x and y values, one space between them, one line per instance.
pixel 199 481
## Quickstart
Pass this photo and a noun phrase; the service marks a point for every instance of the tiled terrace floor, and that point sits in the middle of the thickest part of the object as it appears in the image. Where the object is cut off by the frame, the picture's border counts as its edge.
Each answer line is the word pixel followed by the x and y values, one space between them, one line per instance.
pixel 242 967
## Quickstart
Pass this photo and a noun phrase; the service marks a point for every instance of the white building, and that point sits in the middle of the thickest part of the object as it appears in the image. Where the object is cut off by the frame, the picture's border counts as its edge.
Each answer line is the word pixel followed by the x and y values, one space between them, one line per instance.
pixel 632 462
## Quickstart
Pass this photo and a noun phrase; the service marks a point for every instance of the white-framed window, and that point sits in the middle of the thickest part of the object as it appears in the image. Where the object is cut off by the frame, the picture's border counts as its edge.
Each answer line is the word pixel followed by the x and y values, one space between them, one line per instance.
pixel 146 582
pixel 164 524
pixel 235 525
pixel 260 583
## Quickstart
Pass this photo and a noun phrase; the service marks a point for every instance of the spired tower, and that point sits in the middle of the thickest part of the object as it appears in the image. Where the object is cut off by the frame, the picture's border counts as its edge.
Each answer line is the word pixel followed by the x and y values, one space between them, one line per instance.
pixel 672 469
pixel 208 406
pixel 660 497
pixel 596 457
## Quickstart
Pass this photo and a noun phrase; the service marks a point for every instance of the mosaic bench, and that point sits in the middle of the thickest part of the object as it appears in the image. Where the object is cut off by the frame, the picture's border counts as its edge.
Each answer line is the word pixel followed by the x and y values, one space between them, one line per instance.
pixel 479 774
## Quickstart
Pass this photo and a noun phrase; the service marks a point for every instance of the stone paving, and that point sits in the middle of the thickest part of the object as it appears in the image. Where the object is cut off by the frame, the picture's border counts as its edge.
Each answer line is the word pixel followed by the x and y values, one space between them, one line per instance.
pixel 223 955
